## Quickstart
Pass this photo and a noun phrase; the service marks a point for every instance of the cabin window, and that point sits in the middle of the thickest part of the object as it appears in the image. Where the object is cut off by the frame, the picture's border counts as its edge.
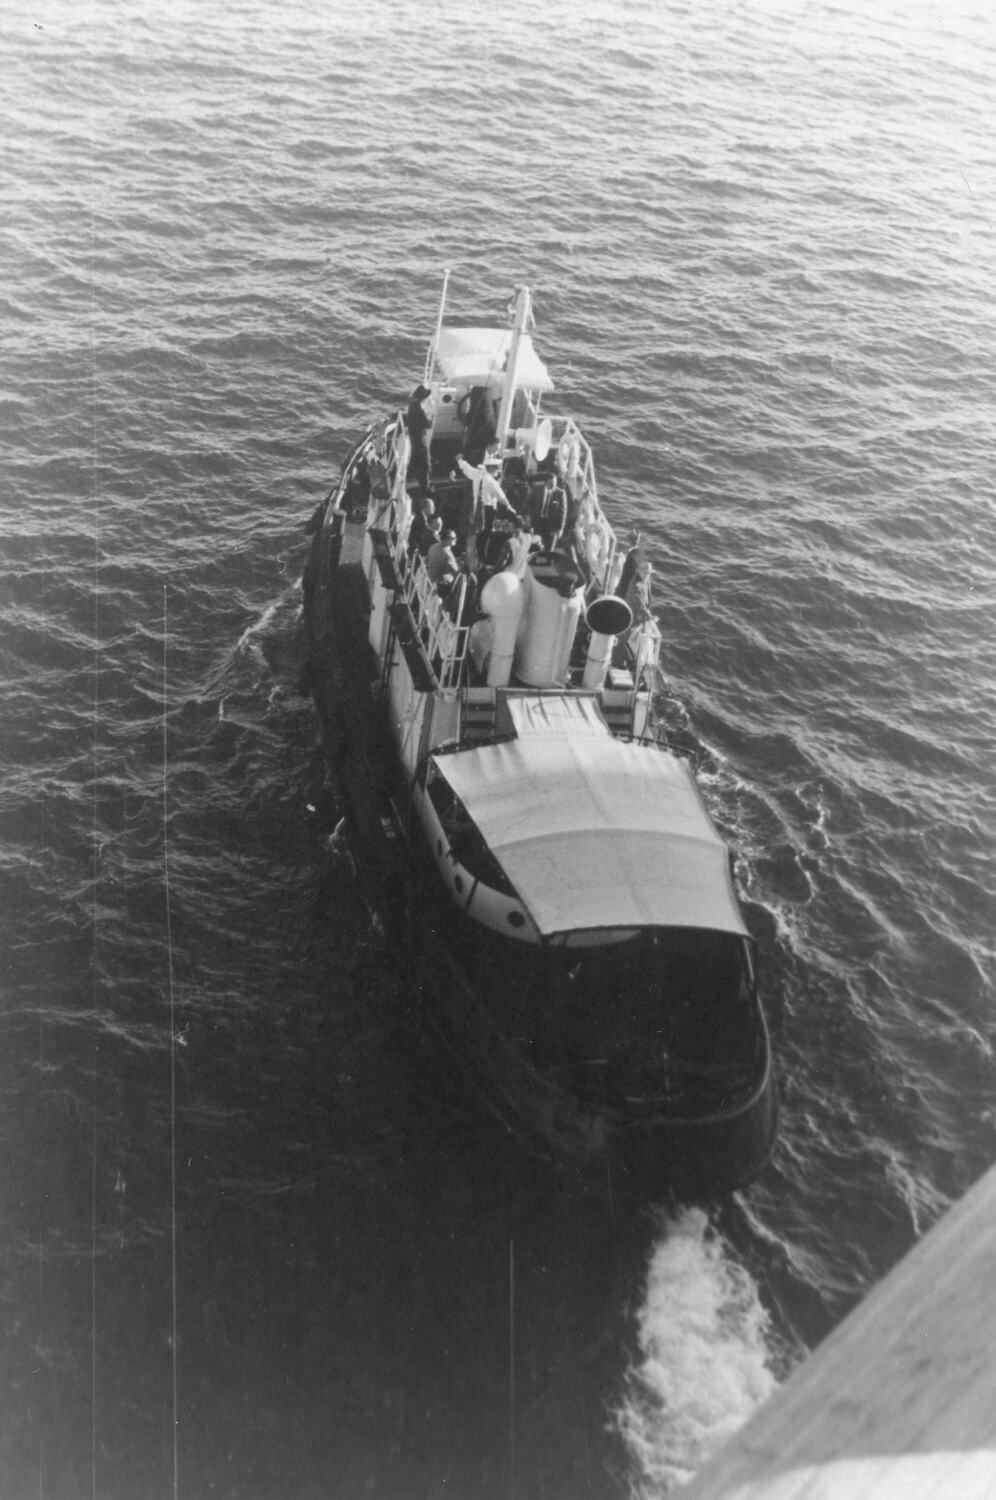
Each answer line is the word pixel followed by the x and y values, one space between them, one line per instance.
pixel 463 836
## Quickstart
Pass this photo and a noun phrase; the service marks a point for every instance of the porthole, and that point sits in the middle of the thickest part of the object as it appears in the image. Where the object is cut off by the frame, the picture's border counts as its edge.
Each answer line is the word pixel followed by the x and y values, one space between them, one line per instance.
pixel 458 883
pixel 516 919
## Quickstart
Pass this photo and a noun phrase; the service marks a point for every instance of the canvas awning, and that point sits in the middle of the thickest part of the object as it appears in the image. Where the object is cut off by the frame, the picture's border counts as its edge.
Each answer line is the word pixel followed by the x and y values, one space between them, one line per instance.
pixel 595 832
pixel 555 714
pixel 477 356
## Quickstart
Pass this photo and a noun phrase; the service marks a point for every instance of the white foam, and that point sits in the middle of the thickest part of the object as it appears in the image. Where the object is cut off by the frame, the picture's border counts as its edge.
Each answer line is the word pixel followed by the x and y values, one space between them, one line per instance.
pixel 249 641
pixel 703 1361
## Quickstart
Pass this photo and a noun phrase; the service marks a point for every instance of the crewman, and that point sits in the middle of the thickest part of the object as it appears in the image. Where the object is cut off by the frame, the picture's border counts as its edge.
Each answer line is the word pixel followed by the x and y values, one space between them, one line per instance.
pixel 421 415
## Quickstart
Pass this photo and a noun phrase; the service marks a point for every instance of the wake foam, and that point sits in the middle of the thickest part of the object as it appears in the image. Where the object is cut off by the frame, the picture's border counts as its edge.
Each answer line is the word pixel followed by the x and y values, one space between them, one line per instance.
pixel 703 1361
pixel 278 619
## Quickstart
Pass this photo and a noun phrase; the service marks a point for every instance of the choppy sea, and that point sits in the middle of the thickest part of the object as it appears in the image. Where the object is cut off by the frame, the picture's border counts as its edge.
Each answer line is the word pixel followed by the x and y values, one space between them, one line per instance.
pixel 256 1241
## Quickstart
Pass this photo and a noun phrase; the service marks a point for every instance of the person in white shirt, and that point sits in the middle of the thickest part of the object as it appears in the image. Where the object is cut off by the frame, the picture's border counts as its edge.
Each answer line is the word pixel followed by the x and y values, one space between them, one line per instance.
pixel 489 499
pixel 488 493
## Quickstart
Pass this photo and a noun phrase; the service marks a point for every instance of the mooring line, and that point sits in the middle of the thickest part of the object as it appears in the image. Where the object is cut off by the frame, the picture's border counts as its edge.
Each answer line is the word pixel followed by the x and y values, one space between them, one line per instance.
pixel 172 1071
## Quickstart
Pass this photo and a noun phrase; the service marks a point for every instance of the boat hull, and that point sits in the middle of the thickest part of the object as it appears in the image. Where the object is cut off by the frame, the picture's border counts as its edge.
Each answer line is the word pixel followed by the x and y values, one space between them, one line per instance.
pixel 642 1147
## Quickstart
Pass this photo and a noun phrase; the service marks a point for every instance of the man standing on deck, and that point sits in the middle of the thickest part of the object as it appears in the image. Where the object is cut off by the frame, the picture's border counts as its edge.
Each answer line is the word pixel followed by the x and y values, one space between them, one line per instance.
pixel 420 417
pixel 489 497
pixel 441 558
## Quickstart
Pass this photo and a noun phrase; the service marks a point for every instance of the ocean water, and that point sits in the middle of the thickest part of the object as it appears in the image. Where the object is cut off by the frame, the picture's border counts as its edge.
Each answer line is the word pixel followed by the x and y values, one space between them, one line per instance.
pixel 257 1240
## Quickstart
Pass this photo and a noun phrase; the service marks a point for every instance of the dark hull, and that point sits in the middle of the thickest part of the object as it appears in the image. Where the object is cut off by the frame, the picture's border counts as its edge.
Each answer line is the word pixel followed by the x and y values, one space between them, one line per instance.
pixel 636 1146
pixel 640 1147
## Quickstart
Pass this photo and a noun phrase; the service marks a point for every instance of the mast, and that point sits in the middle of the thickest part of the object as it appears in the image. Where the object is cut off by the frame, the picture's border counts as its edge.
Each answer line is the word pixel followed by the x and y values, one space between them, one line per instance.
pixel 522 318
pixel 431 352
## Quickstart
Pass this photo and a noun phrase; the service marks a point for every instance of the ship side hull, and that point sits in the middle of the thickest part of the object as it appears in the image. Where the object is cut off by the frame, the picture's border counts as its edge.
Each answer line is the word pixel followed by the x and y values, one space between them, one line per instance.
pixel 643 1145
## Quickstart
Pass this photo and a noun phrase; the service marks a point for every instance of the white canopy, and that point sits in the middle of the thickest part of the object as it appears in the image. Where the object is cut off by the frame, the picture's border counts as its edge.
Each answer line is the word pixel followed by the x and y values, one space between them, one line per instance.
pixel 476 356
pixel 597 832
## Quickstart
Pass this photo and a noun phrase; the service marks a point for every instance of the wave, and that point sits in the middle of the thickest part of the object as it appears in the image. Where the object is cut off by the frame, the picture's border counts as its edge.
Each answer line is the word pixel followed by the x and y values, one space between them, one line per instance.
pixel 221 262
pixel 704 1361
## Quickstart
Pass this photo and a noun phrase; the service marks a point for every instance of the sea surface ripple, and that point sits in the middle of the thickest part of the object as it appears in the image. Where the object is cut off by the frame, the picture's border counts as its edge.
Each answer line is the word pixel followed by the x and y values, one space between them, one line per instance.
pixel 257 1238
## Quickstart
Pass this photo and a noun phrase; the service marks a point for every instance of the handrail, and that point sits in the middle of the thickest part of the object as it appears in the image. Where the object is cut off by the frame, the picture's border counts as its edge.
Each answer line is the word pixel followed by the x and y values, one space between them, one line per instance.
pixel 447 639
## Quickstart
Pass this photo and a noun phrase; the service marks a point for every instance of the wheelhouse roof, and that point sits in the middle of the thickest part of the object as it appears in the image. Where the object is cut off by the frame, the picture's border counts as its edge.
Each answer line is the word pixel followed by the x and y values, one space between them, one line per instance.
pixel 595 832
pixel 476 356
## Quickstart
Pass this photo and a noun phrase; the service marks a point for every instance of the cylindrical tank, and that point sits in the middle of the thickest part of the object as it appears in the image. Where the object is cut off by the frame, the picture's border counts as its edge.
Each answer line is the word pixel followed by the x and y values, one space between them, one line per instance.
pixel 546 637
pixel 606 618
pixel 502 598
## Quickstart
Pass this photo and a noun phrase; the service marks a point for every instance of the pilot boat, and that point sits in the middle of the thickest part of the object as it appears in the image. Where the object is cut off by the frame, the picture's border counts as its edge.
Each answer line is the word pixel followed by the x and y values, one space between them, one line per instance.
pixel 566 905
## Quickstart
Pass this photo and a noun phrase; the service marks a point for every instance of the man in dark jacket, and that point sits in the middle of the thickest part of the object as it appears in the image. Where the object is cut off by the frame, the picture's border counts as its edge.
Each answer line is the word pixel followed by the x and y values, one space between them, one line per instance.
pixel 420 418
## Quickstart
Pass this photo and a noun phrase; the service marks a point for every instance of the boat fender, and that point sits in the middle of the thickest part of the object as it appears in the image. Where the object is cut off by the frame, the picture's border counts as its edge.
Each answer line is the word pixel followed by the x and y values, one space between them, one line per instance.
pixel 645 644
pixel 402 458
pixel 596 546
pixel 568 454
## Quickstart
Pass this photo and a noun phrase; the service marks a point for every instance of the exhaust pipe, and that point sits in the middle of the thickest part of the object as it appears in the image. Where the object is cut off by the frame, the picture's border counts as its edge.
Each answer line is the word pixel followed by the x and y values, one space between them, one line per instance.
pixel 606 618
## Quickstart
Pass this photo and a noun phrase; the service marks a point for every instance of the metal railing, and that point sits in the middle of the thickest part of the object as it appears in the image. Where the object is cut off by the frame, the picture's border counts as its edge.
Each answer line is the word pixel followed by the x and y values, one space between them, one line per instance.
pixel 445 640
